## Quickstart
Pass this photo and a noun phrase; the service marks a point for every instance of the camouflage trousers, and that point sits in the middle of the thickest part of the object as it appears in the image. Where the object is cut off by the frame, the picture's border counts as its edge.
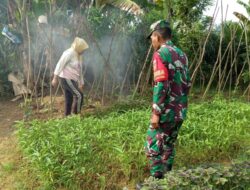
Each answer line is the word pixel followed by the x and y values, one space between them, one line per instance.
pixel 160 148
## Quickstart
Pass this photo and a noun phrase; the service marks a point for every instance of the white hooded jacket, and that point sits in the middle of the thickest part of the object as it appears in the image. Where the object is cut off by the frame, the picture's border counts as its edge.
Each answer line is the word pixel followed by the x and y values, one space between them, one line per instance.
pixel 69 65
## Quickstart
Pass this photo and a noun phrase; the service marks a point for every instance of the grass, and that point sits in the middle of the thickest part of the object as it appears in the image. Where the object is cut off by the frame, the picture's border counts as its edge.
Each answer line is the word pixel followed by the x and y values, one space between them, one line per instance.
pixel 15 172
pixel 105 151
pixel 8 167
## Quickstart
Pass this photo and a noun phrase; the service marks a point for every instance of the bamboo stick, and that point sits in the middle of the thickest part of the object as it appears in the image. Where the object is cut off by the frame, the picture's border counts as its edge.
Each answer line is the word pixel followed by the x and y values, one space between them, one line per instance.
pixel 142 70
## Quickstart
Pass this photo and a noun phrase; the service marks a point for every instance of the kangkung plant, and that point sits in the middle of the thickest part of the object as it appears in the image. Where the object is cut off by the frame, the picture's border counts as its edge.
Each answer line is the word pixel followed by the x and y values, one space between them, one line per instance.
pixel 104 151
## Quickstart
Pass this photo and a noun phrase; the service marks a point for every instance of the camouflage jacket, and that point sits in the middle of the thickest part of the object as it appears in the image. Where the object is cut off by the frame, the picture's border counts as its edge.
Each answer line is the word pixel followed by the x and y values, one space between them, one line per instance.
pixel 171 83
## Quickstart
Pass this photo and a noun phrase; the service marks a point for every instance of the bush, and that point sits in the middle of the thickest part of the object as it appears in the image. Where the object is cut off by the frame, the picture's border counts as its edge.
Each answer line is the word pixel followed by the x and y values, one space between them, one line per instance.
pixel 236 176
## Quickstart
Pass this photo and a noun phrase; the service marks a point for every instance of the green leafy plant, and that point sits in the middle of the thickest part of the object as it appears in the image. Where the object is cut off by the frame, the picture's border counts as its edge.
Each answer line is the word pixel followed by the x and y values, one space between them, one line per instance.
pixel 235 176
pixel 105 151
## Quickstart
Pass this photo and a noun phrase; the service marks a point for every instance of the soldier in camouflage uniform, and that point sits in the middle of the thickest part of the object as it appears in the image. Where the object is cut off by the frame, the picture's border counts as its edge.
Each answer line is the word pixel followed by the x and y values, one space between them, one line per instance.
pixel 169 109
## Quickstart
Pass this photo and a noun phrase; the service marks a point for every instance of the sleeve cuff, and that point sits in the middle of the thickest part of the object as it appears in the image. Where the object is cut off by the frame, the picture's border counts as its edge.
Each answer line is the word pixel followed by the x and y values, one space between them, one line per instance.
pixel 156 109
pixel 81 82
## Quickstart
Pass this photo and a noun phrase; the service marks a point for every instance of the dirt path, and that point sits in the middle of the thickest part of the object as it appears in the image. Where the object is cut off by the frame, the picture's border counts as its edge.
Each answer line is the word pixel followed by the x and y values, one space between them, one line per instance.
pixel 9 113
pixel 9 156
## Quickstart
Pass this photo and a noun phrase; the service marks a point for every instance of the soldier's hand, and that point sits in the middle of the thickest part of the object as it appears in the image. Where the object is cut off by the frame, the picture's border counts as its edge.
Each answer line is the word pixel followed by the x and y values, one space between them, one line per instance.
pixel 155 121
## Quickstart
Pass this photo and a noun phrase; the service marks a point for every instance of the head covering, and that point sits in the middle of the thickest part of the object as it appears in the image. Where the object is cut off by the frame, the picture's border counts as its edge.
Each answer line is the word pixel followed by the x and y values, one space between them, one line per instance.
pixel 79 45
pixel 42 19
pixel 158 25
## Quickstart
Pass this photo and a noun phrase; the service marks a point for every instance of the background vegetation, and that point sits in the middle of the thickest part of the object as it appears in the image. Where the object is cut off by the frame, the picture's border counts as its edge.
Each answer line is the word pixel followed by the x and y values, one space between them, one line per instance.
pixel 118 61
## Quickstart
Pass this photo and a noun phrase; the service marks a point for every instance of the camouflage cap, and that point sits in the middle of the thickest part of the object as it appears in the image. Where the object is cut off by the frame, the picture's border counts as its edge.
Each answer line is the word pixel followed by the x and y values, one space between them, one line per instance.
pixel 158 25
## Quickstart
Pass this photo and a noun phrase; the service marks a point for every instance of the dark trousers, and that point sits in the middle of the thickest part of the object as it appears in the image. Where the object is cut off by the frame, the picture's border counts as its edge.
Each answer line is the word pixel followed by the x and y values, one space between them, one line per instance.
pixel 73 96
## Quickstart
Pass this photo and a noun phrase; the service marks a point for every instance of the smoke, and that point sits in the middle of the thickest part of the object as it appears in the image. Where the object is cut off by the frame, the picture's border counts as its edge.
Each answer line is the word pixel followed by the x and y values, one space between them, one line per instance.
pixel 51 39
pixel 110 54
pixel 114 51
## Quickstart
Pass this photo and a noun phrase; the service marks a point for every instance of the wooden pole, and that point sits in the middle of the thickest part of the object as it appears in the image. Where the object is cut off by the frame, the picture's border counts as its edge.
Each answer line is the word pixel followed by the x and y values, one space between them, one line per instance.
pixel 142 70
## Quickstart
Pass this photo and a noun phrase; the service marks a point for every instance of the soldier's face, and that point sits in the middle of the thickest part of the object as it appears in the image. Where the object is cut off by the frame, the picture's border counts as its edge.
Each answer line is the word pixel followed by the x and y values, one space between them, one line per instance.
pixel 155 39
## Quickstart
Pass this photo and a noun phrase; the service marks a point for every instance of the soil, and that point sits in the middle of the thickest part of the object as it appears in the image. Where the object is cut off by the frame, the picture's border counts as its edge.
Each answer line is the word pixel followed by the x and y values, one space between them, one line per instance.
pixel 9 113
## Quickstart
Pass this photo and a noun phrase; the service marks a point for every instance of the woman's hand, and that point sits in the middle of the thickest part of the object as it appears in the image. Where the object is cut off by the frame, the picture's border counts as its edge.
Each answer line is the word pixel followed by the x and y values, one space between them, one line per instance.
pixel 54 82
pixel 81 88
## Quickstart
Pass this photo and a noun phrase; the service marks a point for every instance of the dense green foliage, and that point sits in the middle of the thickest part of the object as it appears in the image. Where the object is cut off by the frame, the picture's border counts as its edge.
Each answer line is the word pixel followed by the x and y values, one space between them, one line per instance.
pixel 109 27
pixel 106 152
pixel 215 130
pixel 216 177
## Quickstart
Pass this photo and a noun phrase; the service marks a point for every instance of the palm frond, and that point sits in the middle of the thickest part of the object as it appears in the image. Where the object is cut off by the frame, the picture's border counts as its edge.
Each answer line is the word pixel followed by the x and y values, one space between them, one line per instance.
pixel 247 6
pixel 126 5
pixel 129 6
pixel 242 18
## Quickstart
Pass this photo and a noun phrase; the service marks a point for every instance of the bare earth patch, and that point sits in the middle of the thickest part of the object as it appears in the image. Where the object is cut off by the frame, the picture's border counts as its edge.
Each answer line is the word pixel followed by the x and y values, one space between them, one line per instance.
pixel 9 113
pixel 9 157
